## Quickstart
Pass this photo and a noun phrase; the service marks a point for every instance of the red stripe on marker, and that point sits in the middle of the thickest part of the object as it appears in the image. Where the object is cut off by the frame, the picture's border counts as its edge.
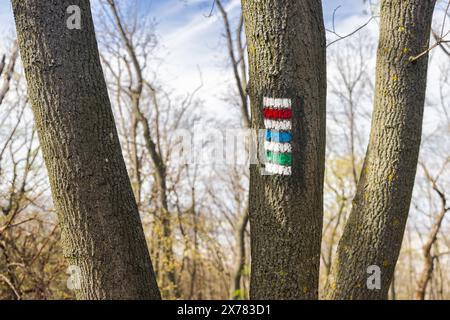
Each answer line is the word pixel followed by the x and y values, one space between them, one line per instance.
pixel 270 113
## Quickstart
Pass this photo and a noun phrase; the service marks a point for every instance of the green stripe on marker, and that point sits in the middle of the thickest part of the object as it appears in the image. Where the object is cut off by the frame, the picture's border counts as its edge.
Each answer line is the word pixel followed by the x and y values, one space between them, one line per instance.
pixel 284 159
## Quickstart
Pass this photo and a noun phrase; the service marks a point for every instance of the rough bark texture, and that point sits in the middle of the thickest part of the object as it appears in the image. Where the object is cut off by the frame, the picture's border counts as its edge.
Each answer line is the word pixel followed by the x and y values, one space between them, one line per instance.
pixel 102 231
pixel 286 47
pixel 374 231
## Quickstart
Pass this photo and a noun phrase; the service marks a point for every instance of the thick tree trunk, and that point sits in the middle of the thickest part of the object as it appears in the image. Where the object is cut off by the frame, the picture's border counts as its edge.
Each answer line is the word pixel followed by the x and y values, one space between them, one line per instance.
pixel 102 231
pixel 374 231
pixel 286 47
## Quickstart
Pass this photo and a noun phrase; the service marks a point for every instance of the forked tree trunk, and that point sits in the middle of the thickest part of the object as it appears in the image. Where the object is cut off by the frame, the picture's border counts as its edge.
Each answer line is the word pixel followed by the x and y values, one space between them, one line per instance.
pixel 428 267
pixel 286 47
pixel 236 290
pixel 239 65
pixel 101 228
pixel 374 231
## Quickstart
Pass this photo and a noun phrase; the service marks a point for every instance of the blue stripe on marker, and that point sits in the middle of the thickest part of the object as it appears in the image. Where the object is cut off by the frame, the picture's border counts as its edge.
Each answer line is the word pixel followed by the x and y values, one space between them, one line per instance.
pixel 268 135
pixel 277 136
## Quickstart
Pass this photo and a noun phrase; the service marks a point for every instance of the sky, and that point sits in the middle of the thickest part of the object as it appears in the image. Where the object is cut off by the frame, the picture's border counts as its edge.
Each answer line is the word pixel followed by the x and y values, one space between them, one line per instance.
pixel 192 43
pixel 192 48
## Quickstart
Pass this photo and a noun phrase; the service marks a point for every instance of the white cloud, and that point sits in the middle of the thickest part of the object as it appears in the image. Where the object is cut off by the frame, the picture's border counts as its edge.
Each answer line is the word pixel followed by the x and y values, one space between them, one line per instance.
pixel 195 45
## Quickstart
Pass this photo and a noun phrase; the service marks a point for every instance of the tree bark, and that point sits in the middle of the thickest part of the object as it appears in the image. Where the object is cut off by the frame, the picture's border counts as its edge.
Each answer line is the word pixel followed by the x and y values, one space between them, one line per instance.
pixel 101 228
pixel 375 228
pixel 286 47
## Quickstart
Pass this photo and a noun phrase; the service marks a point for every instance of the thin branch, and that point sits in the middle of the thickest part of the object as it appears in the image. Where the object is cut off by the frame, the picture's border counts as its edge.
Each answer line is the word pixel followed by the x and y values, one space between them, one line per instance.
pixel 333 30
pixel 440 39
pixel 6 280
pixel 212 10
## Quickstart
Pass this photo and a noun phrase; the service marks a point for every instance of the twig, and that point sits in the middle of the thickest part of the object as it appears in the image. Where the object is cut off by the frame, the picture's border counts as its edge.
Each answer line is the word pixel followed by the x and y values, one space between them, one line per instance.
pixel 439 42
pixel 440 39
pixel 212 9
pixel 333 30
pixel 5 279
pixel 445 17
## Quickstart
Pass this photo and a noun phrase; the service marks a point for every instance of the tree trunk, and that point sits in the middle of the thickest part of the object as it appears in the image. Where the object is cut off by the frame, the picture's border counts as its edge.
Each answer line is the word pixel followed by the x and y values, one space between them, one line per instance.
pixel 374 231
pixel 424 277
pixel 286 47
pixel 428 265
pixel 102 231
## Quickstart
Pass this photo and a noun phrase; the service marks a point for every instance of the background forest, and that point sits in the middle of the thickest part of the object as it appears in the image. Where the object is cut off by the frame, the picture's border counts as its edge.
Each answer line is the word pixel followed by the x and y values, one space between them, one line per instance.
pixel 181 65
